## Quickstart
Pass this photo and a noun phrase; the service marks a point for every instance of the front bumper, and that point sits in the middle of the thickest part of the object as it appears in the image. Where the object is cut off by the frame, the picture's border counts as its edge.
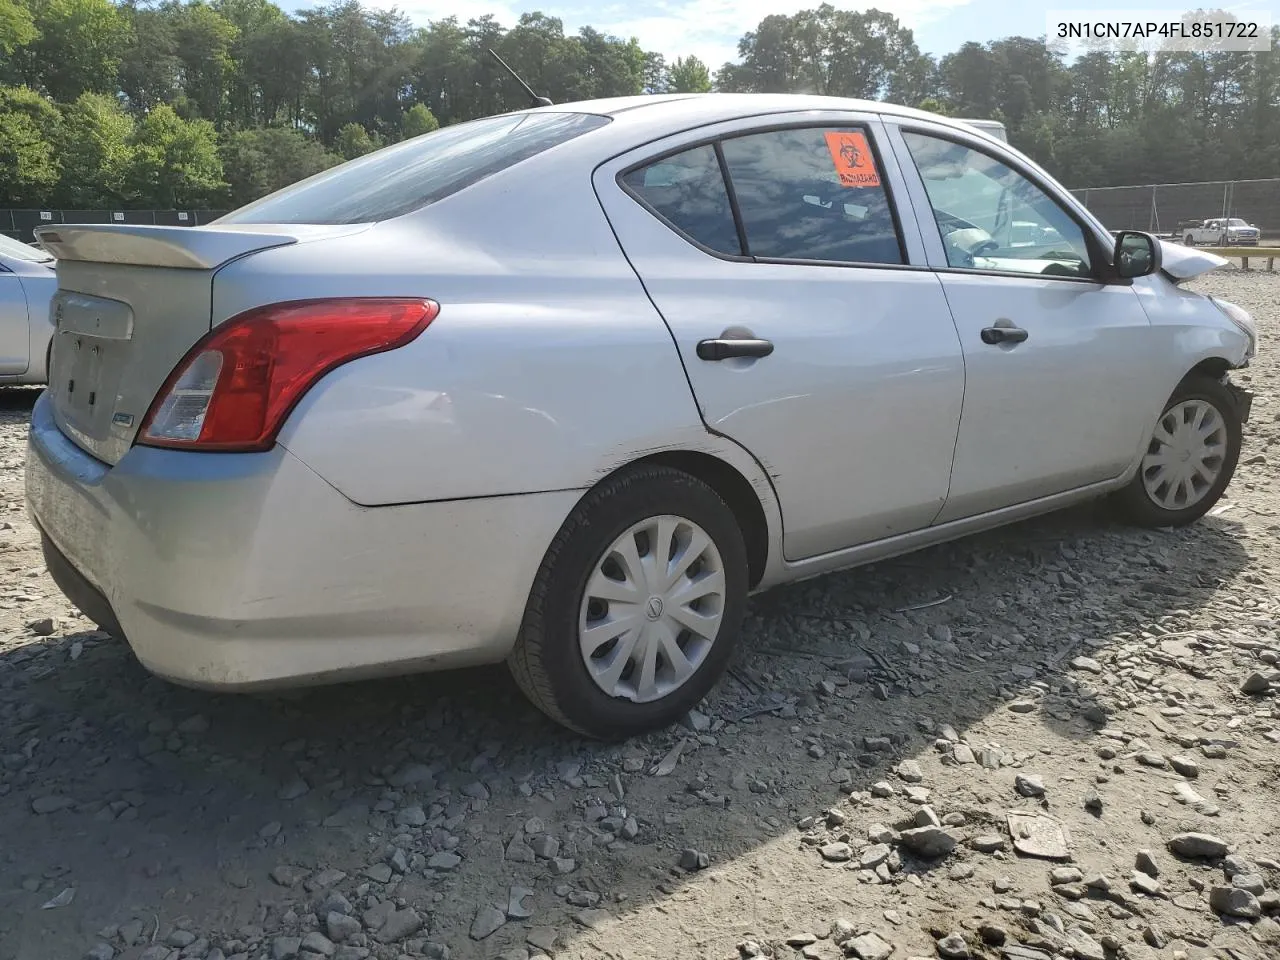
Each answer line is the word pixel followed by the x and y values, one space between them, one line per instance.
pixel 1244 401
pixel 249 570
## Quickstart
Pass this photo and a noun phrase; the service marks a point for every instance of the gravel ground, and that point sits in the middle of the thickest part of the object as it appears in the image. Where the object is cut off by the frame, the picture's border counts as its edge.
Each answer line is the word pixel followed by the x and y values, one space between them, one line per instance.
pixel 846 792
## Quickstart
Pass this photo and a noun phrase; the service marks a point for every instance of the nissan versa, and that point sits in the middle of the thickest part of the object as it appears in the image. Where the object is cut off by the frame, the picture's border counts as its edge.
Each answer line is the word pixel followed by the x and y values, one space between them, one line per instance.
pixel 562 387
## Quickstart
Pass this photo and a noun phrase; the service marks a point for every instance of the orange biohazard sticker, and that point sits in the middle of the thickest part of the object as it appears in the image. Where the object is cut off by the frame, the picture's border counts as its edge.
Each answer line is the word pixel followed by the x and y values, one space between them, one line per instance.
pixel 855 164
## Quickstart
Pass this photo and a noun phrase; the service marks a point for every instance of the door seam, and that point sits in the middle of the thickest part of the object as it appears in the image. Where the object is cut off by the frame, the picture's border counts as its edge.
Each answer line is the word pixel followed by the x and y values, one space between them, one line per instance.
pixel 964 392
pixel 684 368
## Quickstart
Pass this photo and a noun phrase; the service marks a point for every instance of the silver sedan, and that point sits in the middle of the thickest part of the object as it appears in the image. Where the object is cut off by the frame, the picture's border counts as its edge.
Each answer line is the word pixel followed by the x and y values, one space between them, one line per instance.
pixel 562 387
pixel 27 282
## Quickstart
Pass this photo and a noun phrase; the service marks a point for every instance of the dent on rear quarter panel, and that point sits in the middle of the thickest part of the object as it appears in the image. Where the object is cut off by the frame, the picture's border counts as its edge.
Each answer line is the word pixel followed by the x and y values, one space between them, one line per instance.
pixel 546 368
pixel 487 403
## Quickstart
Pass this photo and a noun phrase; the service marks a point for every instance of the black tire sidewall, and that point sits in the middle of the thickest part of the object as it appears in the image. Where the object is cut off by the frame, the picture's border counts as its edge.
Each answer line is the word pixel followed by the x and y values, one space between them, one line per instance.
pixel 1215 393
pixel 602 520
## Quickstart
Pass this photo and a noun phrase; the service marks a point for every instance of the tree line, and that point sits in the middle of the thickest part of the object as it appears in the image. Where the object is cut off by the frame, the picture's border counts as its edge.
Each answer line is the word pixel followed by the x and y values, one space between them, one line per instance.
pixel 196 103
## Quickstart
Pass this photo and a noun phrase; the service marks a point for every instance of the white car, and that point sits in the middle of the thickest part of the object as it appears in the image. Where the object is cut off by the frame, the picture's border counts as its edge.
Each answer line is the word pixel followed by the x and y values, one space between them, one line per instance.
pixel 1027 234
pixel 1222 232
pixel 562 387
pixel 27 282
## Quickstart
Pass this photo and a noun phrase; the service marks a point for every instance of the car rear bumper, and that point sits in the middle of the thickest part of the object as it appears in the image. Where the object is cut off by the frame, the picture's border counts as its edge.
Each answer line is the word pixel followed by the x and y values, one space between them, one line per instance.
pixel 76 587
pixel 249 570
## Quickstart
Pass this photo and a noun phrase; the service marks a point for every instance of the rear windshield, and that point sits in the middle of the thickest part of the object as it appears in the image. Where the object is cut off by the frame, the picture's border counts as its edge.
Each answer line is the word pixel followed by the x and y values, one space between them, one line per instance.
pixel 402 178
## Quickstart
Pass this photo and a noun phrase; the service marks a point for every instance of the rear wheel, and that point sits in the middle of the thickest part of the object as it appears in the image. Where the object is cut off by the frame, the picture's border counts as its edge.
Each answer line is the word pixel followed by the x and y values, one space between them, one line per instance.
pixel 1190 458
pixel 637 606
pixel 1189 240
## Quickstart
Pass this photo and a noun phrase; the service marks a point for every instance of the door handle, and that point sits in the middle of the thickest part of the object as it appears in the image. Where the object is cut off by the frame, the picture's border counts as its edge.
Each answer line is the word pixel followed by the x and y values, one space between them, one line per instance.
pixel 993 335
pixel 725 349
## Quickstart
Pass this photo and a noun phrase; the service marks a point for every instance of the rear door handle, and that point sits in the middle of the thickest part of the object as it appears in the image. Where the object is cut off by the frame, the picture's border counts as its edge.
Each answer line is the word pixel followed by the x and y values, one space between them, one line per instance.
pixel 725 349
pixel 993 335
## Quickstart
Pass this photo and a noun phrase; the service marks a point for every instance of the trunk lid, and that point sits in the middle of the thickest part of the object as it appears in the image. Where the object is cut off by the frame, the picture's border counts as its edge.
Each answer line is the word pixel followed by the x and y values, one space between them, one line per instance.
pixel 131 301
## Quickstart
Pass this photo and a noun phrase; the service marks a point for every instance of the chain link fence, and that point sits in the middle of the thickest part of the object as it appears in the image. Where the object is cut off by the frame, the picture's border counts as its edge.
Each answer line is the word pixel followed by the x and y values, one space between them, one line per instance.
pixel 21 224
pixel 1163 207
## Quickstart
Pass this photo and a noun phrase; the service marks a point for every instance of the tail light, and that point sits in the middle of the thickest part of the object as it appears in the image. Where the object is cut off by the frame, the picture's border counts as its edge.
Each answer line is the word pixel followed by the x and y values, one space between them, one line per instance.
pixel 235 387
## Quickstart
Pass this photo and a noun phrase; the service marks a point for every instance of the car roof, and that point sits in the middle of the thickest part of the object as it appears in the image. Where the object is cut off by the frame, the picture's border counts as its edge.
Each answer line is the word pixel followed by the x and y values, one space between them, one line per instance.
pixel 684 110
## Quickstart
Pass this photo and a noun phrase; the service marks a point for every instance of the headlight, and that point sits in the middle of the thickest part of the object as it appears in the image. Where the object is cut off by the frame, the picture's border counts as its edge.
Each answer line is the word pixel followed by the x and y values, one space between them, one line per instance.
pixel 1241 318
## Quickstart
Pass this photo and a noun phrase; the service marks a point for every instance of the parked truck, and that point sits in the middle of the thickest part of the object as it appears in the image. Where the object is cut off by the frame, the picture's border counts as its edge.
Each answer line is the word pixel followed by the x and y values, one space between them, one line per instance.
pixel 1221 232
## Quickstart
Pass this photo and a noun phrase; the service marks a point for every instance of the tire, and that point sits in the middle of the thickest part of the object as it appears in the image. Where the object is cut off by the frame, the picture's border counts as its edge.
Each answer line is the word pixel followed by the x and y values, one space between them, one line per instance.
pixel 1138 505
pixel 547 661
pixel 1188 241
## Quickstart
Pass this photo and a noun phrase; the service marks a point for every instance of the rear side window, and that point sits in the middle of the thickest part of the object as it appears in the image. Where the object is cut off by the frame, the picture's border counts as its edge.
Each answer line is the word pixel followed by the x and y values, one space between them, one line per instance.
pixel 402 178
pixel 812 193
pixel 688 191
pixel 806 193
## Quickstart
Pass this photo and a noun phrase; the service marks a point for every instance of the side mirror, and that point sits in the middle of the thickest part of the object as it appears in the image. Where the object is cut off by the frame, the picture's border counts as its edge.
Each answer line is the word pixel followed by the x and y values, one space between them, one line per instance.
pixel 1136 254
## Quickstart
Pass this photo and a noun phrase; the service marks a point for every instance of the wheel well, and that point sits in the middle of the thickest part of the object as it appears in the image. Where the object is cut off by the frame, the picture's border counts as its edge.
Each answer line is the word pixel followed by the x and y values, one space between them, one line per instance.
pixel 735 490
pixel 1215 367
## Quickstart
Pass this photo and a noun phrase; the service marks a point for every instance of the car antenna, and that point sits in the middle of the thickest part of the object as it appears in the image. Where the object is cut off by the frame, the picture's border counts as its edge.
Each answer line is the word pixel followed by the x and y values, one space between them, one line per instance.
pixel 537 100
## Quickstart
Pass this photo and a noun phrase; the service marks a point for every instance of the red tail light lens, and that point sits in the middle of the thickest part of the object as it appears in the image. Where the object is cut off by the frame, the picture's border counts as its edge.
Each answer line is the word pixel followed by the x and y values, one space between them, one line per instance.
pixel 234 389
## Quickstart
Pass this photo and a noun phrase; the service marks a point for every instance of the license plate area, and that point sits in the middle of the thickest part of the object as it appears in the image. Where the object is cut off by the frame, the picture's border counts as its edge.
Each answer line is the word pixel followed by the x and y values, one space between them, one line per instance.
pixel 91 347
pixel 83 384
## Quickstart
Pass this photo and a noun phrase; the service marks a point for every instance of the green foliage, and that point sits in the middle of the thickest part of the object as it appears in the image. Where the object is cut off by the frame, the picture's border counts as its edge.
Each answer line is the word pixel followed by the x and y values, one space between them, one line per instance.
pixel 1101 120
pixel 354 141
pixel 258 162
pixel 203 39
pixel 17 27
pixel 160 102
pixel 418 120
pixel 97 152
pixel 77 50
pixel 176 161
pixel 840 53
pixel 28 146
pixel 689 75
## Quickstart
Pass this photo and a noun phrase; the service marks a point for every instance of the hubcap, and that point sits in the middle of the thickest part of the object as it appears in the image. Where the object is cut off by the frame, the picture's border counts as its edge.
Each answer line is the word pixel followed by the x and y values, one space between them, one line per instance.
pixel 1187 452
pixel 652 609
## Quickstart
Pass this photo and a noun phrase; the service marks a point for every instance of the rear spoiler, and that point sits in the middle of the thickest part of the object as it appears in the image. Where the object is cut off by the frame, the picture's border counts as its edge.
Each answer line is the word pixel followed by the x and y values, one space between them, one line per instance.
pixel 189 248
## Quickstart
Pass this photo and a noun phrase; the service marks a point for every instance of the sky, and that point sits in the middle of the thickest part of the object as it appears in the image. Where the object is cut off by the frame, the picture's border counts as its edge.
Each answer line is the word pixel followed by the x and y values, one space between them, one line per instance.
pixel 710 29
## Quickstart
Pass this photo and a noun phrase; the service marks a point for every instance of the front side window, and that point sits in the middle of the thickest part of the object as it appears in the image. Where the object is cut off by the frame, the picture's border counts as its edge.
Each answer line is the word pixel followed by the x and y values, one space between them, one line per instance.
pixel 687 190
pixel 993 218
pixel 813 193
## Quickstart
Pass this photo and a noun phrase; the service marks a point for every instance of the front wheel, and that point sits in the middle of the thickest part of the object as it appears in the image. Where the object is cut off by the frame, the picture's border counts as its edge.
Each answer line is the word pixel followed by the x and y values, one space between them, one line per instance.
pixel 1190 458
pixel 636 609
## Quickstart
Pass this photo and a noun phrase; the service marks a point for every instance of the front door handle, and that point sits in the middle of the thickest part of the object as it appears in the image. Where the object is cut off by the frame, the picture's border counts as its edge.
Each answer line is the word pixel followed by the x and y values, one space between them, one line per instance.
pixel 994 335
pixel 725 349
